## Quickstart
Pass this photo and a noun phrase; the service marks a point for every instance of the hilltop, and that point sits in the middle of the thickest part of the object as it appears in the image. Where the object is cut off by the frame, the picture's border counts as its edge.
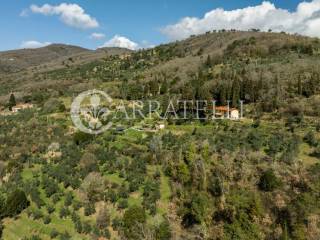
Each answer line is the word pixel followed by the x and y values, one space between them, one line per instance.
pixel 51 57
pixel 17 60
pixel 215 63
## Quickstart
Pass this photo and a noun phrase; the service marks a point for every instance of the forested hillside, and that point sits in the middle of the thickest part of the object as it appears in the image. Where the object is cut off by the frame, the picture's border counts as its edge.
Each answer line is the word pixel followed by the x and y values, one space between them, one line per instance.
pixel 257 178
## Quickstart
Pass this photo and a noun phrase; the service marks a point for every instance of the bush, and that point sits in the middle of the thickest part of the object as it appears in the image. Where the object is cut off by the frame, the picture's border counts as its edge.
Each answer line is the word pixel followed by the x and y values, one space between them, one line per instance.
pixel 86 227
pixel 68 199
pixel 123 203
pixel 89 209
pixel 106 233
pixel 132 217
pixel 64 212
pixel 76 205
pixel 255 140
pixel 310 138
pixel 46 219
pixel 50 209
pixel 116 223
pixel 54 233
pixel 195 209
pixel 103 219
pixel 82 138
pixel 215 186
pixel 2 204
pixel 65 236
pixel 16 202
pixel 268 181
pixel 34 237
pixel 163 232
pixel 55 197
pixel 37 214
pixel 53 106
pixel 316 152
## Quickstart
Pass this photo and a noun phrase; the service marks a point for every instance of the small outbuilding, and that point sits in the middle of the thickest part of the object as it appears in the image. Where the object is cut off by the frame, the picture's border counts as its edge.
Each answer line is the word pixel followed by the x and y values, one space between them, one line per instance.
pixel 21 106
pixel 227 112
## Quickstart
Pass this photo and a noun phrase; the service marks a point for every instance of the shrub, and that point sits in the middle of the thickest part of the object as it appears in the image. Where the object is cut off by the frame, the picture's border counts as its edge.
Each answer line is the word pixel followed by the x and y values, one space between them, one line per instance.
pixel 2 204
pixel 116 223
pixel 163 232
pixel 16 202
pixel 89 209
pixel 64 212
pixel 215 185
pixel 103 219
pixel 81 138
pixel 268 181
pixel 53 106
pixel 68 199
pixel 132 217
pixel 46 219
pixel 310 138
pixel 37 214
pixel 55 197
pixel 255 140
pixel 93 185
pixel 275 145
pixel 316 152
pixel 123 203
pixel 34 237
pixel 86 227
pixel 50 209
pixel 65 236
pixel 54 233
pixel 195 209
pixel 76 205
pixel 105 233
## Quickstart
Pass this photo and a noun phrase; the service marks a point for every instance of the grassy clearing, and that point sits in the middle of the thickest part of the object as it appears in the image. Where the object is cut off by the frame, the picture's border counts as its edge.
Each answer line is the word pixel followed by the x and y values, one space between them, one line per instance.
pixel 17 229
pixel 305 151
pixel 165 192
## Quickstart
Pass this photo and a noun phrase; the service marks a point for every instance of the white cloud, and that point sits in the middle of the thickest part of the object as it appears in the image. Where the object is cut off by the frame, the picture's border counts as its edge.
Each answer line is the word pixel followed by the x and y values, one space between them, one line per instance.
pixel 122 42
pixel 71 14
pixel 305 20
pixel 33 44
pixel 97 36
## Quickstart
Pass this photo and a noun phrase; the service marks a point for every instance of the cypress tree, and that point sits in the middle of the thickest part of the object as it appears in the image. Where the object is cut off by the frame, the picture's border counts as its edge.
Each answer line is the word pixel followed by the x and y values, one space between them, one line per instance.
pixel 12 101
pixel 235 93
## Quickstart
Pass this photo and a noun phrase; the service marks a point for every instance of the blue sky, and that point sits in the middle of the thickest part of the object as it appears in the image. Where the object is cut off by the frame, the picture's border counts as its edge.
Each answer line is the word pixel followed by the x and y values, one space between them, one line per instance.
pixel 139 23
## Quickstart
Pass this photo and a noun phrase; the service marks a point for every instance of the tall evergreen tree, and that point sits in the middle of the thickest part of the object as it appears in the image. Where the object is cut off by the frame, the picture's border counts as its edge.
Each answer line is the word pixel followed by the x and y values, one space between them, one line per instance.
pixel 12 101
pixel 235 93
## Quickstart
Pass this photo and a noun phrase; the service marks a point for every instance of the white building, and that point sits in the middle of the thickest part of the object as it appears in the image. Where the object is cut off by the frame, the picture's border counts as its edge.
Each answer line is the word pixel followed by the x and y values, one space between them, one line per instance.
pixel 228 113
pixel 234 114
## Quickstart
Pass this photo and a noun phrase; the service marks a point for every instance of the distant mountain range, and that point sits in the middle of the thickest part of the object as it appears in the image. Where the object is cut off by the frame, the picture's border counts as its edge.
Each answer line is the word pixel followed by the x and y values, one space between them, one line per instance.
pixel 54 55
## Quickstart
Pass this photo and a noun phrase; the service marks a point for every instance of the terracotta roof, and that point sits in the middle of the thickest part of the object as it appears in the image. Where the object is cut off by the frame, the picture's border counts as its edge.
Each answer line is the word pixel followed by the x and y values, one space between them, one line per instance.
pixel 224 109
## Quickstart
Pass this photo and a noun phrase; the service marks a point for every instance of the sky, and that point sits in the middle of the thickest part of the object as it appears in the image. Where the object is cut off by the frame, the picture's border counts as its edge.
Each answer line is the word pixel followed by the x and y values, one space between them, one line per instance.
pixel 138 24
